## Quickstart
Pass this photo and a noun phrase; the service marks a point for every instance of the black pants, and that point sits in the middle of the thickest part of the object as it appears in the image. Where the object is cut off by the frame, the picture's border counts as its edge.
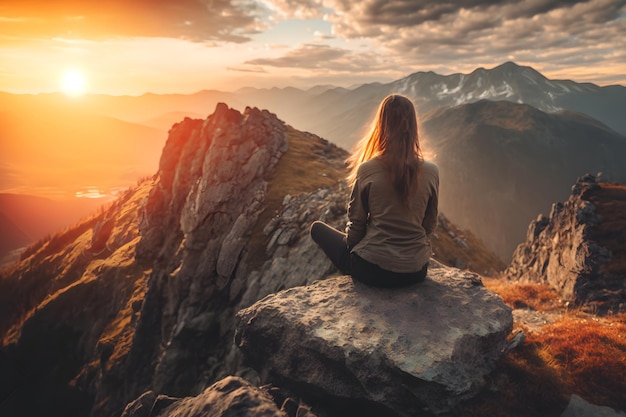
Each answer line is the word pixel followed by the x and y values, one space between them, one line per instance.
pixel 333 243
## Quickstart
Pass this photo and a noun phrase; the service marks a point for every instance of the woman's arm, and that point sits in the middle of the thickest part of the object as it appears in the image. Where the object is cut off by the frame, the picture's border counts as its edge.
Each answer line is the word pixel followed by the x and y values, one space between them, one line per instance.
pixel 358 211
pixel 432 209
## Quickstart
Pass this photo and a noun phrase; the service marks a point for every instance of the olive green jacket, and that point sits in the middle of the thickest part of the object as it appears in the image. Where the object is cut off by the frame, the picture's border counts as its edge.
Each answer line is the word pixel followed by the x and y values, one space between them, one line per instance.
pixel 384 231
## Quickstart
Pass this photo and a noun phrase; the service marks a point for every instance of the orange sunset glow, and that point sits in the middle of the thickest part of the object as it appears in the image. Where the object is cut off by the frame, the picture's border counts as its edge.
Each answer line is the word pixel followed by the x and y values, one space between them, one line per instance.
pixel 89 90
pixel 312 208
pixel 73 83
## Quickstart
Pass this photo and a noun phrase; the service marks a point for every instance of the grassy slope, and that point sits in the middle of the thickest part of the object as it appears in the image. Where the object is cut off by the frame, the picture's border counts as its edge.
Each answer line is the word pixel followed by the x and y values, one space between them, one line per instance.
pixel 476 257
pixel 297 172
pixel 67 256
pixel 577 353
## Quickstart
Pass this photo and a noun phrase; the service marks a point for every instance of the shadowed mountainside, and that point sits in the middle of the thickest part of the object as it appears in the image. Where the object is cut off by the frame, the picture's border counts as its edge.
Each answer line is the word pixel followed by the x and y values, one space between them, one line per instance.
pixel 501 163
pixel 32 218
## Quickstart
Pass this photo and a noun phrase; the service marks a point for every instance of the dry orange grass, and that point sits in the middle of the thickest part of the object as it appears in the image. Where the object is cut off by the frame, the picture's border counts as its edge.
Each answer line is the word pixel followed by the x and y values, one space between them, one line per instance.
pixel 534 296
pixel 591 352
pixel 577 354
pixel 526 384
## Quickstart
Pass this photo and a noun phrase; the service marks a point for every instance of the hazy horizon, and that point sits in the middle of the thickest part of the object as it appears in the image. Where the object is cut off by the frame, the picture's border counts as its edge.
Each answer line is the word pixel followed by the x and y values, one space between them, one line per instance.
pixel 285 85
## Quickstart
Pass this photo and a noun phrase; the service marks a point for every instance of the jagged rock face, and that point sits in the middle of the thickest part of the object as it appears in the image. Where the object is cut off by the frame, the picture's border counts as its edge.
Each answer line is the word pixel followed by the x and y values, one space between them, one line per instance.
pixel 212 174
pixel 562 251
pixel 420 349
pixel 201 238
pixel 212 183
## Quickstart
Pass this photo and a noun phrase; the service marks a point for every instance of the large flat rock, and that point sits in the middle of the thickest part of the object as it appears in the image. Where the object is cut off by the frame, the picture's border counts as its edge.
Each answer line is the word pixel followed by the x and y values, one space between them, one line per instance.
pixel 410 351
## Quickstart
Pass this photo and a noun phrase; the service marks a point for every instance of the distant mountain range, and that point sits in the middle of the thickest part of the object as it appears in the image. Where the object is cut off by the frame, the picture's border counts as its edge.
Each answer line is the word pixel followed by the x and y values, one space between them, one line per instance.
pixel 344 112
pixel 559 128
pixel 341 115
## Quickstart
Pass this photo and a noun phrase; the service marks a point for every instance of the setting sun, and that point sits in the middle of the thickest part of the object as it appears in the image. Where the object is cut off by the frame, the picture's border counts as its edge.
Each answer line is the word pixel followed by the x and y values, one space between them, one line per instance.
pixel 73 83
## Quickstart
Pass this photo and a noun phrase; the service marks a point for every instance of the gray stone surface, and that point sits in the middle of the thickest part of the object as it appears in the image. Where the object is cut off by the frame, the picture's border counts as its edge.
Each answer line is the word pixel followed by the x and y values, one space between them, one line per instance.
pixel 229 397
pixel 423 347
pixel 578 407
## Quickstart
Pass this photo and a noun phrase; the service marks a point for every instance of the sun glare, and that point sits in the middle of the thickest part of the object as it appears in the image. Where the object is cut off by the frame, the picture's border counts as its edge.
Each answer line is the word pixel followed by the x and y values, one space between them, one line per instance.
pixel 73 83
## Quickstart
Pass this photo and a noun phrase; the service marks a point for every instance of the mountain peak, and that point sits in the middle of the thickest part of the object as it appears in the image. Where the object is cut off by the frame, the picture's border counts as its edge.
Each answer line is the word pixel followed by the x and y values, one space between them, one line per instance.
pixel 508 65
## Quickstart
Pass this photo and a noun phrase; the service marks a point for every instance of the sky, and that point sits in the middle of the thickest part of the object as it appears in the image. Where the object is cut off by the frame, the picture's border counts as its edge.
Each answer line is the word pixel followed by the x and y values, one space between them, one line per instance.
pixel 184 46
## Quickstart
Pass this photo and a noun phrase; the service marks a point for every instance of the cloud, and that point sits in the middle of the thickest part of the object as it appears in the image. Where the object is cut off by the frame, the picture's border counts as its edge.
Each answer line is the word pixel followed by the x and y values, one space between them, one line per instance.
pixel 253 70
pixel 462 34
pixel 322 36
pixel 306 56
pixel 314 56
pixel 401 35
pixel 468 21
pixel 196 20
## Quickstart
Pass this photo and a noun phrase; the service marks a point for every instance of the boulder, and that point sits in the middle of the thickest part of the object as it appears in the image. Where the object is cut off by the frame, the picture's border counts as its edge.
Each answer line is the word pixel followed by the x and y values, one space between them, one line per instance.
pixel 231 396
pixel 410 351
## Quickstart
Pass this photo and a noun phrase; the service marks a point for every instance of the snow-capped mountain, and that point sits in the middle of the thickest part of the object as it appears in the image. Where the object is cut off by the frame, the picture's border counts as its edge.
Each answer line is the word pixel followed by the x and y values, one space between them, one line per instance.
pixel 508 82
pixel 342 115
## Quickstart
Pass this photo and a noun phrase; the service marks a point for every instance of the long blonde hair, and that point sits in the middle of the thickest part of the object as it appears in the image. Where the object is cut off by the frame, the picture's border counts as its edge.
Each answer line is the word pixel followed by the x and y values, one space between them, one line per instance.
pixel 393 138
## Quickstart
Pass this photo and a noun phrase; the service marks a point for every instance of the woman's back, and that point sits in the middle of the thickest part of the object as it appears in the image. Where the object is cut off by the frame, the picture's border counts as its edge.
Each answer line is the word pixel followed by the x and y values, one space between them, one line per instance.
pixel 384 230
pixel 393 206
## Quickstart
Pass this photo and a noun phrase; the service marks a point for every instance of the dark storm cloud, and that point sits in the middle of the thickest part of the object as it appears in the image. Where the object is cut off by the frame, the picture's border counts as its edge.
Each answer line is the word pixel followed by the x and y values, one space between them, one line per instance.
pixel 406 13
pixel 378 16
pixel 401 24
pixel 542 30
pixel 197 20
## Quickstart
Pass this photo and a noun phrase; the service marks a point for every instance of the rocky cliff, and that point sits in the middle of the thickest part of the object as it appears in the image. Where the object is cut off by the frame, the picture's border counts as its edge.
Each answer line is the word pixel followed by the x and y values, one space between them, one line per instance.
pixel 142 296
pixel 579 248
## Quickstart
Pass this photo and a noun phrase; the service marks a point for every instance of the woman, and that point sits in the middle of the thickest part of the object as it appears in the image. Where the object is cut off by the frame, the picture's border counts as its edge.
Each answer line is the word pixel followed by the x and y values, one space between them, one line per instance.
pixel 393 206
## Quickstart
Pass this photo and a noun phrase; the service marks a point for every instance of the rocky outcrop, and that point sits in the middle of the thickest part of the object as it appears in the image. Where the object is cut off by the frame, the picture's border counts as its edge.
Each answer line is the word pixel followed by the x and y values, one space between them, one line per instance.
pixel 342 344
pixel 211 188
pixel 205 236
pixel 572 249
pixel 231 396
